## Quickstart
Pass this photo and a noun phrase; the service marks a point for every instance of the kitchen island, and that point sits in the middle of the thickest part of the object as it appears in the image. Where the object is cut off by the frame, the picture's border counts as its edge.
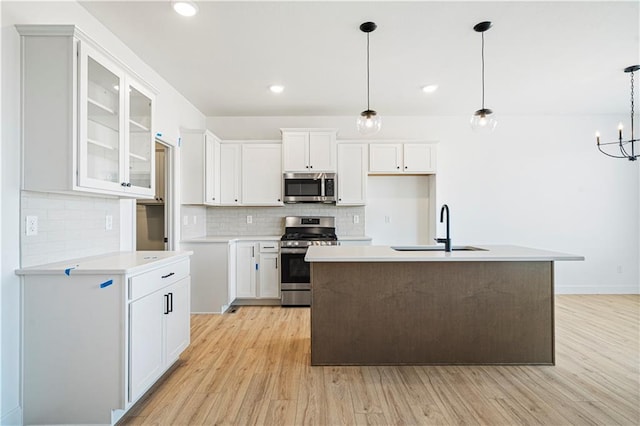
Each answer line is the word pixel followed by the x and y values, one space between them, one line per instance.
pixel 376 305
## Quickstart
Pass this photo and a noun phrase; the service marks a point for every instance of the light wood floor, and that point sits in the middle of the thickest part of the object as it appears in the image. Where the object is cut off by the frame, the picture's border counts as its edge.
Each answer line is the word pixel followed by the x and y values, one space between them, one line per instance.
pixel 252 367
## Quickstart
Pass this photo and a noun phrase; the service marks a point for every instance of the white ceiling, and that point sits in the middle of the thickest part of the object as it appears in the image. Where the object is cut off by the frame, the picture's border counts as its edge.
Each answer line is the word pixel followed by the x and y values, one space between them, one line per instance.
pixel 541 57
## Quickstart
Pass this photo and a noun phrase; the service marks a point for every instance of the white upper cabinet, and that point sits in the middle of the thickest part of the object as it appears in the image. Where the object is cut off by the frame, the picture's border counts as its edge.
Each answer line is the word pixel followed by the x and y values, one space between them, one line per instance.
pixel 352 174
pixel 200 167
pixel 308 150
pixel 413 158
pixel 261 176
pixel 230 177
pixel 88 121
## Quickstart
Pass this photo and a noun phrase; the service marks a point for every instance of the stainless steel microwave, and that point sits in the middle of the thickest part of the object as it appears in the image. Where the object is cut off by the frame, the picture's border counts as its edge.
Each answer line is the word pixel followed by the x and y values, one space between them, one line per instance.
pixel 309 187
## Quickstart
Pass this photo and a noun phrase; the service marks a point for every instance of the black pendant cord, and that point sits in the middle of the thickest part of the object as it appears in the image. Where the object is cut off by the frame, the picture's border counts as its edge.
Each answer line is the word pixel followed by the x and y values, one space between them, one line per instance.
pixel 482 50
pixel 368 107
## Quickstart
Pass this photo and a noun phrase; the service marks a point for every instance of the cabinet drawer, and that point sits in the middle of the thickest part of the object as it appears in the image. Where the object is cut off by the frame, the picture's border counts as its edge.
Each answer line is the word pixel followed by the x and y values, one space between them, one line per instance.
pixel 148 282
pixel 269 247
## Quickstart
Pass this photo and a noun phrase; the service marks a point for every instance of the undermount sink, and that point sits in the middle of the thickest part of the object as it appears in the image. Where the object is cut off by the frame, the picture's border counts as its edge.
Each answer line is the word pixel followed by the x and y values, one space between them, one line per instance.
pixel 436 248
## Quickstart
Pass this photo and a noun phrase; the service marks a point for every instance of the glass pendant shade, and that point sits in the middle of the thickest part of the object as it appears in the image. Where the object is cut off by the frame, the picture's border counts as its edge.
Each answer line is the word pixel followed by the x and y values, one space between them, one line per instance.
pixel 369 122
pixel 483 121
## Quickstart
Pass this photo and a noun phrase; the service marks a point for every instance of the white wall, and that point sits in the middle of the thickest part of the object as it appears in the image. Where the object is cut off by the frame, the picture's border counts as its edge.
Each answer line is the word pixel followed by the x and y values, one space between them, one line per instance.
pixel 173 111
pixel 536 181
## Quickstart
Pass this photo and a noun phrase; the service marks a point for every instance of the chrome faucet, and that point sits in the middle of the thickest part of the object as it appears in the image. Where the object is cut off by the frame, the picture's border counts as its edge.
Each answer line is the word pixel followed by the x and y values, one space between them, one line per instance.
pixel 446 241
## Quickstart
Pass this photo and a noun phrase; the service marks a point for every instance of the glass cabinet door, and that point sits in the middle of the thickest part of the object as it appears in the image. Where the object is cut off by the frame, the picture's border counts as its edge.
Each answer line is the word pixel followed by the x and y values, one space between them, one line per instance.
pixel 100 124
pixel 140 159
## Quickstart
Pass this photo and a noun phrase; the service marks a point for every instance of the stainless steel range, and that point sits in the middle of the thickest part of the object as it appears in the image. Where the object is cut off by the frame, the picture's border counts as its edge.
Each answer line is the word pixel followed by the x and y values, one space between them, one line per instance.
pixel 300 233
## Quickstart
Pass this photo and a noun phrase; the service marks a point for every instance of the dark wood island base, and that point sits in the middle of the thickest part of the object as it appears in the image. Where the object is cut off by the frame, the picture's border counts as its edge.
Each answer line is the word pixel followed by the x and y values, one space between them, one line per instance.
pixel 400 313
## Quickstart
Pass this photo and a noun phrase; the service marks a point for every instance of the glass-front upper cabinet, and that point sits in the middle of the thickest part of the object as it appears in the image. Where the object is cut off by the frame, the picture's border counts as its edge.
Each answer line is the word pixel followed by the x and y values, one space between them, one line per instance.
pixel 115 123
pixel 141 140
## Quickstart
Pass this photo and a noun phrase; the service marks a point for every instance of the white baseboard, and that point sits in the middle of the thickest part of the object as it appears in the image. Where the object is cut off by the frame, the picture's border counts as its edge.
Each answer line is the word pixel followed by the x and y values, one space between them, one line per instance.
pixel 12 418
pixel 597 290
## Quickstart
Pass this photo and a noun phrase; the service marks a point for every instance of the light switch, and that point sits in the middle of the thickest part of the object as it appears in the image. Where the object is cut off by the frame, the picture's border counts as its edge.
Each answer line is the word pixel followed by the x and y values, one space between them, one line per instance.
pixel 108 223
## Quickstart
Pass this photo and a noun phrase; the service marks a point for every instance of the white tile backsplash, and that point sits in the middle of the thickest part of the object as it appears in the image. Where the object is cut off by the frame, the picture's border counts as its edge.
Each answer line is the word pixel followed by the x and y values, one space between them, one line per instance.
pixel 270 220
pixel 69 226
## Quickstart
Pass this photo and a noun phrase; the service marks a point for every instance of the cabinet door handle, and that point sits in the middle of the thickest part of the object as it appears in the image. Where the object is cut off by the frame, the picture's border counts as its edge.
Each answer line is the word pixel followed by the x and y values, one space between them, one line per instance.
pixel 171 302
pixel 311 167
pixel 128 184
pixel 398 167
pixel 123 184
pixel 166 304
pixel 168 275
pixel 405 167
pixel 276 263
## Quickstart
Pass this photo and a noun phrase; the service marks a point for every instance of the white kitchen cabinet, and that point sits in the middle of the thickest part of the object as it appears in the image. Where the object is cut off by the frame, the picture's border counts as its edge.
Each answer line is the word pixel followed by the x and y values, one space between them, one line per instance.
pixel 257 270
pixel 230 174
pixel 87 120
pixel 268 270
pixel 200 167
pixel 98 327
pixel 261 174
pixel 398 158
pixel 160 177
pixel 352 174
pixel 308 150
pixel 209 275
pixel 246 267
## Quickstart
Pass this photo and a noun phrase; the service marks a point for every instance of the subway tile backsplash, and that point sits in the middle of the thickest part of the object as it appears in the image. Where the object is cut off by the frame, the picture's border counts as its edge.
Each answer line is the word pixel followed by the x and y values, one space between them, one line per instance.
pixel 69 226
pixel 270 220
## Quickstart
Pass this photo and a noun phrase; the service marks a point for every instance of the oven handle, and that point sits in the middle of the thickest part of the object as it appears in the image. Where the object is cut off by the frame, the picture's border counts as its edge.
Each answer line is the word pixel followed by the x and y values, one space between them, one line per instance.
pixel 286 250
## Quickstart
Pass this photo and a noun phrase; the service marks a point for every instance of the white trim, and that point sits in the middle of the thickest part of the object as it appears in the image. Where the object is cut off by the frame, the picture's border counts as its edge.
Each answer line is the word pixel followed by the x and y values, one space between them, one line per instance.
pixel 13 417
pixel 584 289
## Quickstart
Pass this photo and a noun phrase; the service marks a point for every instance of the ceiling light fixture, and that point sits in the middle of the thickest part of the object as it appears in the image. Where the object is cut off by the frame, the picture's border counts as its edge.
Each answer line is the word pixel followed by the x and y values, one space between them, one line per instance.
pixel 369 122
pixel 631 156
pixel 276 88
pixel 185 7
pixel 483 120
pixel 430 88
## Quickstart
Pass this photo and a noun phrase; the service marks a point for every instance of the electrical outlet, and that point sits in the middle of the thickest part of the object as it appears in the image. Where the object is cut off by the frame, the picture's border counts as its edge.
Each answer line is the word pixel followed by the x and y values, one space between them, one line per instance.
pixel 185 220
pixel 32 226
pixel 356 218
pixel 108 223
pixel 387 219
pixel 249 219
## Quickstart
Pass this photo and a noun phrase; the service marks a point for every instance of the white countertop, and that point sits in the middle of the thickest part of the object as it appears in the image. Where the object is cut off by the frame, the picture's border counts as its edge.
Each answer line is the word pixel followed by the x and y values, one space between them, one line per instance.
pixel 125 262
pixel 229 238
pixel 491 253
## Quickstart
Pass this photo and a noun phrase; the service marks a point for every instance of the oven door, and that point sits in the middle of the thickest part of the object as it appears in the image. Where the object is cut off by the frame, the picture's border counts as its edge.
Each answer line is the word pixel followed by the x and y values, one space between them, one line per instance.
pixel 294 271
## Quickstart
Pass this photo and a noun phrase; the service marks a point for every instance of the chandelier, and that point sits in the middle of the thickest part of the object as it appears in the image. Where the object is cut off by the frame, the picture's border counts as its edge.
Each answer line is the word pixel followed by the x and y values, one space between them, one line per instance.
pixel 626 147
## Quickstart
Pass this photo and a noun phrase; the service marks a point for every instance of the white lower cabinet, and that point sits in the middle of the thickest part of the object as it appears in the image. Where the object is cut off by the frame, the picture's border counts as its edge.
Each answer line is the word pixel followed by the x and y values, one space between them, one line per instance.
pixel 257 270
pixel 98 334
pixel 159 324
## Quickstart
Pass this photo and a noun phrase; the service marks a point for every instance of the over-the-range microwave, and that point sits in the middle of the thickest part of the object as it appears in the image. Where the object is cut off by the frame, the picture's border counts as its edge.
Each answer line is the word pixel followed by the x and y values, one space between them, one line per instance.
pixel 309 187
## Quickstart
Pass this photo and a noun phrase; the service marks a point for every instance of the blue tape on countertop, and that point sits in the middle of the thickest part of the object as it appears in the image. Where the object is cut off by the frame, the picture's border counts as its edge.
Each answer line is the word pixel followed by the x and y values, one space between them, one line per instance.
pixel 67 271
pixel 106 284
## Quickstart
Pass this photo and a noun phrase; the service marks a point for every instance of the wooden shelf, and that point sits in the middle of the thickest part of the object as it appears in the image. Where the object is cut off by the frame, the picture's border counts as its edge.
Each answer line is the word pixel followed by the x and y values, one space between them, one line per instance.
pixel 138 127
pixel 101 107
pixel 100 144
pixel 138 157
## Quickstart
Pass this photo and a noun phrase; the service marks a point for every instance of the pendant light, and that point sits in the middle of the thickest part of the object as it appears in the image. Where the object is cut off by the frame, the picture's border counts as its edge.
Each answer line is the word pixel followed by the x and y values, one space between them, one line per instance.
pixel 369 122
pixel 628 152
pixel 483 120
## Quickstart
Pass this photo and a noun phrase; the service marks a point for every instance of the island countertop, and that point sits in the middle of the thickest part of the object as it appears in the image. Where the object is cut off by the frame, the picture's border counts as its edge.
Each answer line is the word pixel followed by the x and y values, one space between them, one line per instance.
pixel 487 253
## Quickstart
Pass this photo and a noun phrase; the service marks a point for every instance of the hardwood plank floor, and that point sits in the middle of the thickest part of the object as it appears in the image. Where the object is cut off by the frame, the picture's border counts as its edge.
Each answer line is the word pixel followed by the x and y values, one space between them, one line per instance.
pixel 252 367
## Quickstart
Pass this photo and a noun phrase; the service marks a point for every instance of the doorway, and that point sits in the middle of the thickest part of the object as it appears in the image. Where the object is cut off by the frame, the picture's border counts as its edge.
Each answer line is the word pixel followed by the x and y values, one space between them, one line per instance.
pixel 153 215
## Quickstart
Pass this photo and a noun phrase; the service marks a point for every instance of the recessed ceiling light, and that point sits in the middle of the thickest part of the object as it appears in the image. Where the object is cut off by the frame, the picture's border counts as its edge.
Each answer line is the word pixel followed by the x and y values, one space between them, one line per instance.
pixel 185 7
pixel 276 88
pixel 430 88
